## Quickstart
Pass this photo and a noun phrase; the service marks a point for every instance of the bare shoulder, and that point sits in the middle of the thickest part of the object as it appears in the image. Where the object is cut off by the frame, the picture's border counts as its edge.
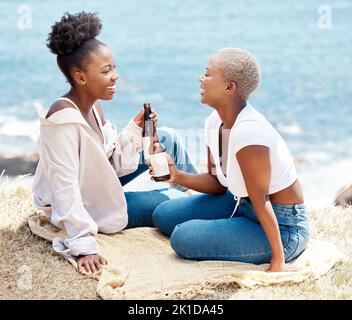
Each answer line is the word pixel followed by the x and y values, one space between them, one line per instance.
pixel 57 106
pixel 99 108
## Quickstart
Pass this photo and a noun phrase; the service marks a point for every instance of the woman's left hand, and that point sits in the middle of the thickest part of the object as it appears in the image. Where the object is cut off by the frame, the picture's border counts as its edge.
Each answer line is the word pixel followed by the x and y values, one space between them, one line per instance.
pixel 139 118
pixel 279 265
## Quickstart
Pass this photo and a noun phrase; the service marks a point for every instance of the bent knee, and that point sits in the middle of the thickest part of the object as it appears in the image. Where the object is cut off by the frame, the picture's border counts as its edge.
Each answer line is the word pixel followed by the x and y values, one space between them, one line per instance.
pixel 182 240
pixel 161 219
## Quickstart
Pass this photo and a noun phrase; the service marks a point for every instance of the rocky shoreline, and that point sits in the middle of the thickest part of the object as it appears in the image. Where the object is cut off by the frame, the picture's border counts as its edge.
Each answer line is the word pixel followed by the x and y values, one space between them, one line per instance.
pixel 18 164
pixel 344 197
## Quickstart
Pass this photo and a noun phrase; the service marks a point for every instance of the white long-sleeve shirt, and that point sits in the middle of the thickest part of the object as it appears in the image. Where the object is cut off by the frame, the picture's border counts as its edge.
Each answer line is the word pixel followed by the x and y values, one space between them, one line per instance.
pixel 76 182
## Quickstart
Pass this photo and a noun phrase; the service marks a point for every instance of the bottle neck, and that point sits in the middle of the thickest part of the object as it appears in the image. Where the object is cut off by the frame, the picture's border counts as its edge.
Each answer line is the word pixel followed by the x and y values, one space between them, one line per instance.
pixel 158 147
pixel 149 129
pixel 149 125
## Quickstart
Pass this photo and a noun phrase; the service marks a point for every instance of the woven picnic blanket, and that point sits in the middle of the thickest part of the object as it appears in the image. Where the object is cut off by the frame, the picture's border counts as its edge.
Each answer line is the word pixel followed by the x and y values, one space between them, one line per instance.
pixel 142 265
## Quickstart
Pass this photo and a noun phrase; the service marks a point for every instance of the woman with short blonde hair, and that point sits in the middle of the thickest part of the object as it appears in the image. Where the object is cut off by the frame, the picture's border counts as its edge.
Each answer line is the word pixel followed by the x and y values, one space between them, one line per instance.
pixel 252 208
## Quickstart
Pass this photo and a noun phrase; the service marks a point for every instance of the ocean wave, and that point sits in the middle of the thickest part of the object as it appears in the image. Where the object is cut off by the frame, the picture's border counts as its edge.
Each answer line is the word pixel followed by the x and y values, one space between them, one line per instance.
pixel 322 182
pixel 290 129
pixel 315 157
pixel 12 125
pixel 18 128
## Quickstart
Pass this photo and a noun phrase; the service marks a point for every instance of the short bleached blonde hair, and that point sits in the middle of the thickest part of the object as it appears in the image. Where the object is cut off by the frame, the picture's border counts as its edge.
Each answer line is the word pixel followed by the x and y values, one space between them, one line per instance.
pixel 241 67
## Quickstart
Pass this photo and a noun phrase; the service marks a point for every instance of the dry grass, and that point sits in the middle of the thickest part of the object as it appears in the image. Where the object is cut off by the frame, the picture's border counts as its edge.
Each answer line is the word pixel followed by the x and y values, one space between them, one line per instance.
pixel 29 269
pixel 332 224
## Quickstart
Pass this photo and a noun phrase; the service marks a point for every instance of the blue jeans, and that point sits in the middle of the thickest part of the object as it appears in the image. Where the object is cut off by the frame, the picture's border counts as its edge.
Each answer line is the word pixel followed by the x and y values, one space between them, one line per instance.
pixel 141 204
pixel 200 228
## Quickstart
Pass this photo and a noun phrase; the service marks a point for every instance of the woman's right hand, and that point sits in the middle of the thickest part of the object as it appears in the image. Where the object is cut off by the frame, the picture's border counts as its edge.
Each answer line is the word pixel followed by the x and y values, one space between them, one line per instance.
pixel 139 118
pixel 90 263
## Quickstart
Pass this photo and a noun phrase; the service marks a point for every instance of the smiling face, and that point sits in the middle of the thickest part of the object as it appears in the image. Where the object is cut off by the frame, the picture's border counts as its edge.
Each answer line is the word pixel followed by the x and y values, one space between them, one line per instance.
pixel 214 87
pixel 98 76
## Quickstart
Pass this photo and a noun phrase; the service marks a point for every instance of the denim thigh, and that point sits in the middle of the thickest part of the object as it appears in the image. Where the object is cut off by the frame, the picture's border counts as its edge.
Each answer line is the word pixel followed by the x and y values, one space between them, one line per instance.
pixel 242 237
pixel 201 206
pixel 141 205
pixel 293 224
pixel 236 239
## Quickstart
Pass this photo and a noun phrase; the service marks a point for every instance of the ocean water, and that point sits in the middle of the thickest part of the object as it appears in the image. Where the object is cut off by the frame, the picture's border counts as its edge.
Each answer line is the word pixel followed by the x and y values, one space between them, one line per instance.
pixel 161 47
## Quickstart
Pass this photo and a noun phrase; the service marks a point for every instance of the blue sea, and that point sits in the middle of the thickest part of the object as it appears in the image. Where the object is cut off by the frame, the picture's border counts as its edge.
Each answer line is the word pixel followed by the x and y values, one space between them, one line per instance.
pixel 161 47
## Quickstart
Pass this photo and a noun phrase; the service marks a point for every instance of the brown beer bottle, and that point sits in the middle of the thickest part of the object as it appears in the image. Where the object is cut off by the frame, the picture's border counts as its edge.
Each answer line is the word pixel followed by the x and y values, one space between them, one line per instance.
pixel 149 133
pixel 153 149
pixel 159 163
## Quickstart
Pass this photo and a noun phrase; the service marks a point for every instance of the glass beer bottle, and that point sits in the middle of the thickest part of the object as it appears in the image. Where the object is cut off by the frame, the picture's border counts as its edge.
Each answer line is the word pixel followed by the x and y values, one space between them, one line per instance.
pixel 153 149
pixel 161 171
pixel 149 133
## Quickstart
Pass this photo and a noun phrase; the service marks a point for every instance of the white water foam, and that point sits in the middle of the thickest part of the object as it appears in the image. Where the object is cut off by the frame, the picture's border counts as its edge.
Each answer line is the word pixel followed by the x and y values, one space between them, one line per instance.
pixel 20 134
pixel 290 129
pixel 321 182
pixel 19 128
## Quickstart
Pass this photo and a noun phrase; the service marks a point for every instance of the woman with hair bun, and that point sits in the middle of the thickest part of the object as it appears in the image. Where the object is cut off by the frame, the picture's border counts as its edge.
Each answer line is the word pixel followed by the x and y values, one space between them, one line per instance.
pixel 253 208
pixel 83 161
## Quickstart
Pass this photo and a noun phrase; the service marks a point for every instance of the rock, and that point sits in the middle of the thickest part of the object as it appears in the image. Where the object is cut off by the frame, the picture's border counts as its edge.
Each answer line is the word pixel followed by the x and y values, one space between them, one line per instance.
pixel 18 164
pixel 344 197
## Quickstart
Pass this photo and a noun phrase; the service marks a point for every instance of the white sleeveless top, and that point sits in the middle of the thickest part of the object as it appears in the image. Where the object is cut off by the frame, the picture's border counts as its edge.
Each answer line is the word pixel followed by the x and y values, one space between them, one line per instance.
pixel 250 128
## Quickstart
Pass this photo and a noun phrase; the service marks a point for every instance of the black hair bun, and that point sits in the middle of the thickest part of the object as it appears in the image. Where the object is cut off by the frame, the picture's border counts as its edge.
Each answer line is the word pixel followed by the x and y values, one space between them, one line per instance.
pixel 73 29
